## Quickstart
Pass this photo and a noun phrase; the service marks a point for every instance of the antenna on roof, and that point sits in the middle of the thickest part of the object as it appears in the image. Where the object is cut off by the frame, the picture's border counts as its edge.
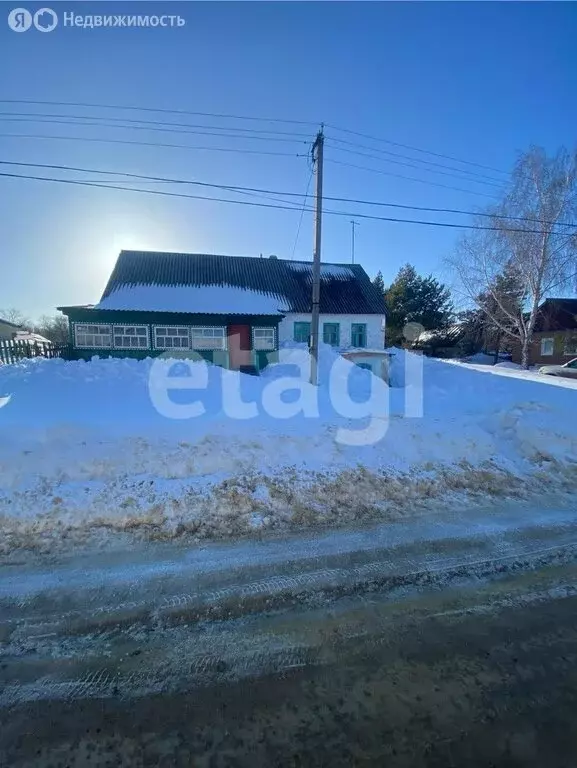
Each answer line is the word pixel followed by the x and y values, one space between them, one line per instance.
pixel 353 225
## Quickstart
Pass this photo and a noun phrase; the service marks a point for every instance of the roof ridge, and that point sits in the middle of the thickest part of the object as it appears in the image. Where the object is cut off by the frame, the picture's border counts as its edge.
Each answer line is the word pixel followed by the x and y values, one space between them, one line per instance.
pixel 230 256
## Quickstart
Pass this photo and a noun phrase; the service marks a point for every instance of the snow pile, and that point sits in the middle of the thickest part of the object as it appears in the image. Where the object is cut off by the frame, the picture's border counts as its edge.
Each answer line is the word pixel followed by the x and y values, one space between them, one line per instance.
pixel 87 448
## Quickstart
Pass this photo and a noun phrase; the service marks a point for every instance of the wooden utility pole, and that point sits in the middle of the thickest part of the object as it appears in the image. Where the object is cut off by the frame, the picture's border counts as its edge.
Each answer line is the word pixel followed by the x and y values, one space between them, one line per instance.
pixel 318 162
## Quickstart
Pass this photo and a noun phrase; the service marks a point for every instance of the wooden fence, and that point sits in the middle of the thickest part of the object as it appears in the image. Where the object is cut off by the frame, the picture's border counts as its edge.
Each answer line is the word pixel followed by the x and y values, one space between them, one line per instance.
pixel 12 351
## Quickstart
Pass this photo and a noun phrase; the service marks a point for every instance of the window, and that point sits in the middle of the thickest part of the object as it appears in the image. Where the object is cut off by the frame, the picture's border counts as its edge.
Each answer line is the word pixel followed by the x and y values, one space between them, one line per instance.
pixel 263 338
pixel 131 337
pixel 572 364
pixel 331 334
pixel 302 332
pixel 359 334
pixel 96 336
pixel 208 338
pixel 570 346
pixel 171 337
pixel 547 347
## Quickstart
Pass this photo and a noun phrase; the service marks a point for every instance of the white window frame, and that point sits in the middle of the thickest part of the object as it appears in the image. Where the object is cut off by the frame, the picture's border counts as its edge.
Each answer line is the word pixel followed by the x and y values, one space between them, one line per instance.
pixel 124 326
pixel 156 328
pixel 567 351
pixel 209 340
pixel 546 341
pixel 268 345
pixel 79 331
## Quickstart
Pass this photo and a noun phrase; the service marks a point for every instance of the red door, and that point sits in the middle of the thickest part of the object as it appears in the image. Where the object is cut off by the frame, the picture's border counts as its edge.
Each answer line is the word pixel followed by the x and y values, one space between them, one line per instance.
pixel 239 352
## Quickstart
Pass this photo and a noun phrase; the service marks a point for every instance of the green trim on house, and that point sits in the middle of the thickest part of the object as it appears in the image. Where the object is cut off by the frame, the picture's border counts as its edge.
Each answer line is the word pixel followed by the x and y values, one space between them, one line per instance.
pixel 332 334
pixel 302 332
pixel 94 317
pixel 359 335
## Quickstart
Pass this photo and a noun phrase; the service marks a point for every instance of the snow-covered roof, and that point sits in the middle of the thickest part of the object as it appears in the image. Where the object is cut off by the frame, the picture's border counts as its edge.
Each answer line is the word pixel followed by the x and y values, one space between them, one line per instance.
pixel 34 338
pixel 210 299
pixel 203 283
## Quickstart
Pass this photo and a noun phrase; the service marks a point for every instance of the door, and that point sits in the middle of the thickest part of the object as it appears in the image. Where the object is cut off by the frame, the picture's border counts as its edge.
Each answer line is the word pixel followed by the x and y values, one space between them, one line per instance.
pixel 239 346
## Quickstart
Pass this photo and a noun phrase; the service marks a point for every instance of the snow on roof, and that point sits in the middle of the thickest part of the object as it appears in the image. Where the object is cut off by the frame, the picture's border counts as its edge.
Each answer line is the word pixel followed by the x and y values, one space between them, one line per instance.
pixel 35 338
pixel 346 288
pixel 327 270
pixel 206 299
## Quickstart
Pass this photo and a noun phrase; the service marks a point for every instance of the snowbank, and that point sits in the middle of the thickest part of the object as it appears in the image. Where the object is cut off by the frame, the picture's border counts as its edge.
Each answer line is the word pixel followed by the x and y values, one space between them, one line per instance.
pixel 84 451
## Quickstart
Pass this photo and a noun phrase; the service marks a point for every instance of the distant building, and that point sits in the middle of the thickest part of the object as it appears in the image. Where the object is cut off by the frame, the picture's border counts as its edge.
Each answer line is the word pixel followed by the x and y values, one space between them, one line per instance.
pixel 8 330
pixel 555 334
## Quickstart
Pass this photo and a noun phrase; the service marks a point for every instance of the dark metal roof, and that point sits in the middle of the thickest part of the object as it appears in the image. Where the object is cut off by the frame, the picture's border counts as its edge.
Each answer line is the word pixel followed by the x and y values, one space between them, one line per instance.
pixel 557 315
pixel 345 288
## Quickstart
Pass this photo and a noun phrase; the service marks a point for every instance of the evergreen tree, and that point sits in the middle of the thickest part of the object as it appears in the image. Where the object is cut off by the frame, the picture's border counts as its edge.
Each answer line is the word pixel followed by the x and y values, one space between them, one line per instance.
pixel 414 299
pixel 379 282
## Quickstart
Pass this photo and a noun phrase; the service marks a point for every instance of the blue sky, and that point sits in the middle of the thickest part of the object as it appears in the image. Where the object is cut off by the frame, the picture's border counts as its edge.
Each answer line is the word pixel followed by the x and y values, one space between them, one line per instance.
pixel 476 81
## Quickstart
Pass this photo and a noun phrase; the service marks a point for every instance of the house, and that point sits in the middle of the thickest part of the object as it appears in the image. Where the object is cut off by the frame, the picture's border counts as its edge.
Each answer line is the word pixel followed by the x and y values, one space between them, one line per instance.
pixel 31 338
pixel 232 310
pixel 8 330
pixel 442 342
pixel 555 334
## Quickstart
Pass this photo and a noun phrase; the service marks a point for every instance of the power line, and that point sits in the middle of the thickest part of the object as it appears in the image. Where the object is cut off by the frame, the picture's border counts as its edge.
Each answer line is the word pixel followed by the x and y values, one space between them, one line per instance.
pixel 417 167
pixel 249 118
pixel 409 178
pixel 244 189
pixel 285 207
pixel 302 215
pixel 238 150
pixel 155 122
pixel 416 149
pixel 415 159
pixel 154 109
pixel 154 128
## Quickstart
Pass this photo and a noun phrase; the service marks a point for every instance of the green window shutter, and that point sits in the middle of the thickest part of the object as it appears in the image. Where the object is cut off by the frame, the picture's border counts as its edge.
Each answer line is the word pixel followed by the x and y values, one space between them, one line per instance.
pixel 302 332
pixel 331 334
pixel 359 334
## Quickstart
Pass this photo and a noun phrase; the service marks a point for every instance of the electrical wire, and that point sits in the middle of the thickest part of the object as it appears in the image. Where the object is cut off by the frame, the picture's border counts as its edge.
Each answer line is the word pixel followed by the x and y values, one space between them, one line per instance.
pixel 185 131
pixel 238 150
pixel 225 116
pixel 417 167
pixel 108 118
pixel 154 109
pixel 235 188
pixel 302 215
pixel 388 153
pixel 409 178
pixel 450 225
pixel 416 149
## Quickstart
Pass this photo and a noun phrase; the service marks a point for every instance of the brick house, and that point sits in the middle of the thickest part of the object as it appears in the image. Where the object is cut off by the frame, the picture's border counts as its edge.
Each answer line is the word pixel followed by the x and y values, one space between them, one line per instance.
pixel 555 336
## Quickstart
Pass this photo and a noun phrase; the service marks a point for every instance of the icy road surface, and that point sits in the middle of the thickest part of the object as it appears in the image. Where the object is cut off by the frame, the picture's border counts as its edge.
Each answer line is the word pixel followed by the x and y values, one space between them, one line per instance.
pixel 252 654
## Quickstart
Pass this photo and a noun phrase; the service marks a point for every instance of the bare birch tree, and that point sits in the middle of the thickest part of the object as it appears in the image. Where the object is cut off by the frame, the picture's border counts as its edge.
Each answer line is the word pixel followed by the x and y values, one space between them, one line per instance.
pixel 535 234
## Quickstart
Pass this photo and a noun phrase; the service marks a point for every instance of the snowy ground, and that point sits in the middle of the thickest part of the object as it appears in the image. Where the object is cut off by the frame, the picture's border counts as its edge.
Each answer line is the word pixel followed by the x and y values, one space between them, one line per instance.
pixel 85 454
pixel 508 368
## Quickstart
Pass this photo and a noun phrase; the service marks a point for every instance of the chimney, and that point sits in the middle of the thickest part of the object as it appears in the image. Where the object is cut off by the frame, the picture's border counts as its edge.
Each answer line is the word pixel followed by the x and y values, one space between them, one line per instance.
pixel 272 256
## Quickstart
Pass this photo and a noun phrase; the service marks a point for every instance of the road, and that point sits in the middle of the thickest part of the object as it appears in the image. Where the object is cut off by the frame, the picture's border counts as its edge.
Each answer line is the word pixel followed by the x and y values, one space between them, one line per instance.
pixel 445 644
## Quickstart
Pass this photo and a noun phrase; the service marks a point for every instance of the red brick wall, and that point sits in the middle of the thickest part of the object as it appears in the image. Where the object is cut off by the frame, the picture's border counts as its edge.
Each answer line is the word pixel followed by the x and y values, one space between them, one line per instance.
pixel 536 358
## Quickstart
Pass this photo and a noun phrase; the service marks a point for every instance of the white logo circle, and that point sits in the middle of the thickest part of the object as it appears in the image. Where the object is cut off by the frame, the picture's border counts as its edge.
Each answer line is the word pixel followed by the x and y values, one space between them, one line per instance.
pixel 45 20
pixel 19 20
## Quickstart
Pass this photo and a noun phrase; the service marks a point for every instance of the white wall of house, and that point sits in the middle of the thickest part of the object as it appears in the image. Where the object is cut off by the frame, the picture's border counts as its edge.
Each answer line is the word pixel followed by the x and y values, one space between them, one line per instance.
pixel 374 323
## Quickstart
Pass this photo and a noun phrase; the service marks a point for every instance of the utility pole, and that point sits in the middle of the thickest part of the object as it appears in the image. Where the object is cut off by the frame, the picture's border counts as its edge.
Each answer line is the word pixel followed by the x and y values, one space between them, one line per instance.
pixel 353 225
pixel 318 163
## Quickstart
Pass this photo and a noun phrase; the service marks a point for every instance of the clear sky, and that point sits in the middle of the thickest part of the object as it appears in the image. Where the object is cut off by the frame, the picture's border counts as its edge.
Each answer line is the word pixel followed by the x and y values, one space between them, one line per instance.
pixel 476 81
